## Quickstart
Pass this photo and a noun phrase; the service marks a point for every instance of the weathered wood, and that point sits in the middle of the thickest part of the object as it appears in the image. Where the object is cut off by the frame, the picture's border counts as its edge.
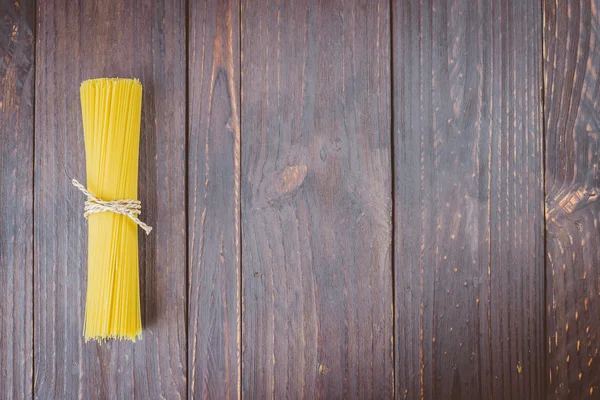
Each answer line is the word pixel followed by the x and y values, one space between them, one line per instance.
pixel 316 200
pixel 571 108
pixel 16 197
pixel 77 41
pixel 469 263
pixel 213 200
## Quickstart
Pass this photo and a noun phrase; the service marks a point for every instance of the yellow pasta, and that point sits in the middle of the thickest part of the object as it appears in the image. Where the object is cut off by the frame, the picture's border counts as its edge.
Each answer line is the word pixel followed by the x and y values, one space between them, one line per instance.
pixel 111 111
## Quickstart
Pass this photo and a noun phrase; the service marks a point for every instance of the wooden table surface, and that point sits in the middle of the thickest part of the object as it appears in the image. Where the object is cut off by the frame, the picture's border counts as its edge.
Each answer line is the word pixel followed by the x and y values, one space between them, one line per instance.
pixel 350 198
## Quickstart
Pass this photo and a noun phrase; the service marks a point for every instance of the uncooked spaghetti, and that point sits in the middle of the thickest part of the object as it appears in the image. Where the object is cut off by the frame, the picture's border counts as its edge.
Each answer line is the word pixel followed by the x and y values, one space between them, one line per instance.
pixel 111 111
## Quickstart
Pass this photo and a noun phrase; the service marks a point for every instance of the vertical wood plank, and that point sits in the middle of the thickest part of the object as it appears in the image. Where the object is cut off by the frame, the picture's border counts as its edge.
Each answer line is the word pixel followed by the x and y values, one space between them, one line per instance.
pixel 213 200
pixel 316 200
pixel 572 104
pixel 78 41
pixel 468 199
pixel 16 197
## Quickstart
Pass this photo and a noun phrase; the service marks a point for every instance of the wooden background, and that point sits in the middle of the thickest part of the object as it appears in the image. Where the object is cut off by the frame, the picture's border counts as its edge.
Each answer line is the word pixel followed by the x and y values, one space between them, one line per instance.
pixel 350 198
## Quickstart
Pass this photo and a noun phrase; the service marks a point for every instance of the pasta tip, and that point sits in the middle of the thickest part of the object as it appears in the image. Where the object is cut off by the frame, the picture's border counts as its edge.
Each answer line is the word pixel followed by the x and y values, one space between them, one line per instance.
pixel 94 81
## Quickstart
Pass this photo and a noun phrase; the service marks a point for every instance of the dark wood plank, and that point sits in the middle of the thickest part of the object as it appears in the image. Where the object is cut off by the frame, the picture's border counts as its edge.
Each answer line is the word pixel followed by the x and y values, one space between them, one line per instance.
pixel 77 41
pixel 16 197
pixel 316 200
pixel 214 200
pixel 571 108
pixel 469 264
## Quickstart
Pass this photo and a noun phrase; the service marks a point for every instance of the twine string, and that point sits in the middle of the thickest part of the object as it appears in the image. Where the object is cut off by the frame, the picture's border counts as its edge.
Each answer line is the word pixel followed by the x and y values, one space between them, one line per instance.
pixel 129 208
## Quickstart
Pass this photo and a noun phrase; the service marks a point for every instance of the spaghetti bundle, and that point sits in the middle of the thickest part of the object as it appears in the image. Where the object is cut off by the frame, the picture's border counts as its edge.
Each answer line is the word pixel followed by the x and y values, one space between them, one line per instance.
pixel 111 111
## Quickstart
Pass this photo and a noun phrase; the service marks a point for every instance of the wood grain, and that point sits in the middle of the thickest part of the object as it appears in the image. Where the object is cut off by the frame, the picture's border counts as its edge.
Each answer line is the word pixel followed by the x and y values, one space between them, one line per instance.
pixel 469 264
pixel 16 197
pixel 316 200
pixel 78 41
pixel 293 110
pixel 572 104
pixel 214 200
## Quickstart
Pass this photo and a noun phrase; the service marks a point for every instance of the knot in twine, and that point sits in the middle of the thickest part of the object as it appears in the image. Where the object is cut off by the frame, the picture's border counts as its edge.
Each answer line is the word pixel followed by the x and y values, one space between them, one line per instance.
pixel 129 208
